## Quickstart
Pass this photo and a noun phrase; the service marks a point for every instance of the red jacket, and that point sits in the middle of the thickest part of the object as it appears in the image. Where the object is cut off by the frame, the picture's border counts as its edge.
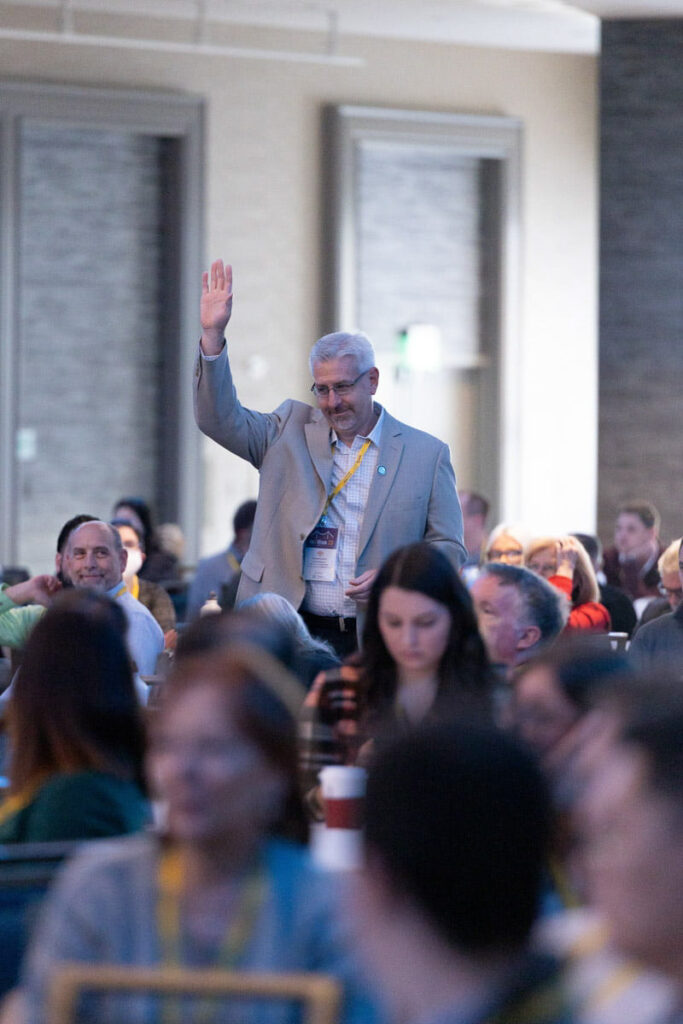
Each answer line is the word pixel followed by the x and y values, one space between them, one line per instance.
pixel 592 615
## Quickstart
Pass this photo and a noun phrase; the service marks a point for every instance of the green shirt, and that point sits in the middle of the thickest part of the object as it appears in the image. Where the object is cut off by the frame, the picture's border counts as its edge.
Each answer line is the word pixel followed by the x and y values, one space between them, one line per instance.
pixel 79 805
pixel 16 621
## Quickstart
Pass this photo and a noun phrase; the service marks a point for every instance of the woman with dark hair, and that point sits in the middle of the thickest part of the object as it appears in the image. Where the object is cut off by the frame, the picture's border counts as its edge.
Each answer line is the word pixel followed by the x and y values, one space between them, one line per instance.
pixel 228 883
pixel 159 565
pixel 422 657
pixel 75 729
pixel 421 630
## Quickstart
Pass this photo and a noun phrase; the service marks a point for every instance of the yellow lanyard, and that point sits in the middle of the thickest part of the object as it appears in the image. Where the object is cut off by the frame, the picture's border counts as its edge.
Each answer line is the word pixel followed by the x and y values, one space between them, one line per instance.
pixel 563 887
pixel 345 479
pixel 135 588
pixel 233 563
pixel 235 940
pixel 13 804
pixel 122 590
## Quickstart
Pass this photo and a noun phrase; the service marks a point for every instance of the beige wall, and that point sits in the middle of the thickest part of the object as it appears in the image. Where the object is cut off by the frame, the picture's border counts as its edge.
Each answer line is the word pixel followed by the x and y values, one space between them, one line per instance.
pixel 263 154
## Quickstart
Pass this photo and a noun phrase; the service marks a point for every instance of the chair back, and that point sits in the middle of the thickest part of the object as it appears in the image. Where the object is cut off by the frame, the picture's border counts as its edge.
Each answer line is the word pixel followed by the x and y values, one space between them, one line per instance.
pixel 319 994
pixel 26 872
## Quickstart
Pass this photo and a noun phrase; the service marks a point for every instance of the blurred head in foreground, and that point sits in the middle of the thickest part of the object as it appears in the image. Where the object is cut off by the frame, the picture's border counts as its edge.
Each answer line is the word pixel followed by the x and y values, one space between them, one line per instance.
pixel 633 822
pixel 223 753
pixel 457 822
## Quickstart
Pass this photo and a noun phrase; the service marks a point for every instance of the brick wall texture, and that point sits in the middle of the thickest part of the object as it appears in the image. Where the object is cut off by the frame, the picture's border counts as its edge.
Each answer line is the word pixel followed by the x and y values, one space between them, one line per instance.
pixel 641 270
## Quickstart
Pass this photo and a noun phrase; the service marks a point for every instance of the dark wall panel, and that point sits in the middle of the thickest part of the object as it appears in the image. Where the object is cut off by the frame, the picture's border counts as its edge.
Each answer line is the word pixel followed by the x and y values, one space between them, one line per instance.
pixel 641 270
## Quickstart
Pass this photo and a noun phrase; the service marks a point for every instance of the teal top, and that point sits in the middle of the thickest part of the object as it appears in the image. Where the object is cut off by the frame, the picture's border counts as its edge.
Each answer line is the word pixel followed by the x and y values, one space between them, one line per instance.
pixel 81 805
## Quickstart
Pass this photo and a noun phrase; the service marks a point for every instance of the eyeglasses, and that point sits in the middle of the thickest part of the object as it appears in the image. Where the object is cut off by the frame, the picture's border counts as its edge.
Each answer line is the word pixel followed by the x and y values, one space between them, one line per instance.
pixel 495 555
pixel 340 389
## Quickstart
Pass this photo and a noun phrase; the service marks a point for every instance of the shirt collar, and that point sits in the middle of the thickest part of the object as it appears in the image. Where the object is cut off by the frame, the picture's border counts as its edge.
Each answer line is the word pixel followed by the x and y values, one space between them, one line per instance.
pixel 114 591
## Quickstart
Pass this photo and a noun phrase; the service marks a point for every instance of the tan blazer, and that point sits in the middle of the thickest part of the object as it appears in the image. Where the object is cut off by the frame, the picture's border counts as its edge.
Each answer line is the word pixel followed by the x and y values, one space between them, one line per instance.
pixel 415 499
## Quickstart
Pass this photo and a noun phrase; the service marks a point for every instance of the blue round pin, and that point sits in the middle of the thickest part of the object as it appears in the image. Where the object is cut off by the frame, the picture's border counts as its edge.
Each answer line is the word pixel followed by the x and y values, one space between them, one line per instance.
pixel 381 470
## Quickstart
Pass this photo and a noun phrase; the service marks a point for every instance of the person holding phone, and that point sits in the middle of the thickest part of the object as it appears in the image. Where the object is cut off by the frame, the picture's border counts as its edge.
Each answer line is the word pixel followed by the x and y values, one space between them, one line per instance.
pixel 422 657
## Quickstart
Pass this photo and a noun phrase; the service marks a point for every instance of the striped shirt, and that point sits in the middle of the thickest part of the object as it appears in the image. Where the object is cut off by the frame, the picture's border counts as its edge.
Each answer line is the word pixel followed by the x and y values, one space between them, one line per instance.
pixel 346 513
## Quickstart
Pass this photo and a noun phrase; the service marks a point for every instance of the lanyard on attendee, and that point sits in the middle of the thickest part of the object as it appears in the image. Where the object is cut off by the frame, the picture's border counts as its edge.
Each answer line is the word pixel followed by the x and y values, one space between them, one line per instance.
pixel 13 804
pixel 135 588
pixel 122 590
pixel 237 935
pixel 345 479
pixel 233 563
pixel 617 980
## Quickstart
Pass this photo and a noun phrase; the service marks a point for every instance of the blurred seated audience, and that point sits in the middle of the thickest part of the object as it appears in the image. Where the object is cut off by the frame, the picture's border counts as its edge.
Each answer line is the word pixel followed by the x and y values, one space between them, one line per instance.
pixel 171 539
pixel 220 574
pixel 90 555
pixel 659 643
pixel 564 562
pixel 475 509
pixel 617 602
pixel 225 630
pixel 457 826
pixel 151 594
pixel 633 830
pixel 670 587
pixel 518 614
pixel 75 729
pixel 310 655
pixel 93 558
pixel 159 566
pixel 553 694
pixel 228 883
pixel 422 657
pixel 632 562
pixel 506 543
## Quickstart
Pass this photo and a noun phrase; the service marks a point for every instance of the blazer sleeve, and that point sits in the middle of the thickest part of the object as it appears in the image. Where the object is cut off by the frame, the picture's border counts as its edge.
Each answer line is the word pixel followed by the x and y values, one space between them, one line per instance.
pixel 221 416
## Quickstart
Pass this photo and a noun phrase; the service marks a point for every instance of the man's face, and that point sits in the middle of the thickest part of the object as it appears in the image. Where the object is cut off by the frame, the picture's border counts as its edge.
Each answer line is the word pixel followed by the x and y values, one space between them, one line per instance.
pixel 351 413
pixel 499 610
pixel 631 535
pixel 634 859
pixel 91 558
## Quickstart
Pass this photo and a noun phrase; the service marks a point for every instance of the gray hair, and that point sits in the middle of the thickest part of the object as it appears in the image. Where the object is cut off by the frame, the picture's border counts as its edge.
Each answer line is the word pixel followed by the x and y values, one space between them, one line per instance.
pixel 546 607
pixel 339 344
pixel 276 609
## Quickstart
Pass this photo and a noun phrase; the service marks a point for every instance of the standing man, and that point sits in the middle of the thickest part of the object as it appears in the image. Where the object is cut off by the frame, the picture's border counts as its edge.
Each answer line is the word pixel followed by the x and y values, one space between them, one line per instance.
pixel 342 486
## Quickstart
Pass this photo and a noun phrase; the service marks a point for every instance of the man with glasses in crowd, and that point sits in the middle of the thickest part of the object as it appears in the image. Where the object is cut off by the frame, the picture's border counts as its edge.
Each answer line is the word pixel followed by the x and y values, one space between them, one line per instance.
pixel 342 486
pixel 659 643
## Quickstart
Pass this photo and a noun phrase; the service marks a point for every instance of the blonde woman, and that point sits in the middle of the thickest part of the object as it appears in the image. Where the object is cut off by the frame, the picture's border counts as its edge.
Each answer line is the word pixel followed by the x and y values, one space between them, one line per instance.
pixel 564 562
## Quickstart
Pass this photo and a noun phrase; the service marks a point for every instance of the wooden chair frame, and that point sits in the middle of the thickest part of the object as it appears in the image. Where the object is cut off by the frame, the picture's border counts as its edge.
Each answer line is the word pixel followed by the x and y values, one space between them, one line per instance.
pixel 319 993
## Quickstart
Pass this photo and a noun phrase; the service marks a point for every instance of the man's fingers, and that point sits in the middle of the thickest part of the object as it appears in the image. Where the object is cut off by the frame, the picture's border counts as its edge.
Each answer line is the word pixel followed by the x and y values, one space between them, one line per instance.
pixel 205 283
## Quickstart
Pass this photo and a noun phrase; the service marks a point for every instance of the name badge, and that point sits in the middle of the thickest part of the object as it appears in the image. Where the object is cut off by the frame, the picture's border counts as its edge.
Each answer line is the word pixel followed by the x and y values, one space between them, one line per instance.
pixel 320 554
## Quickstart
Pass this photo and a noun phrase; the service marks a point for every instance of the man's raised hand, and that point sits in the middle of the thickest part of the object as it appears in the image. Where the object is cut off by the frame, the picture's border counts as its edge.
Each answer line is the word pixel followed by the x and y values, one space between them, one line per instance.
pixel 216 306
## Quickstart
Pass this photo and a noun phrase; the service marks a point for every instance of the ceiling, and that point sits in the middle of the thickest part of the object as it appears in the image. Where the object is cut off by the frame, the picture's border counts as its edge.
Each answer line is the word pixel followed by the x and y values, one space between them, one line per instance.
pixel 553 25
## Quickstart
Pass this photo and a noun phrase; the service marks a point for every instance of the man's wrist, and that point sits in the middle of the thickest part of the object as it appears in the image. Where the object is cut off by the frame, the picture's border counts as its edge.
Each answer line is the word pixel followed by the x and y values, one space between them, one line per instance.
pixel 9 594
pixel 211 345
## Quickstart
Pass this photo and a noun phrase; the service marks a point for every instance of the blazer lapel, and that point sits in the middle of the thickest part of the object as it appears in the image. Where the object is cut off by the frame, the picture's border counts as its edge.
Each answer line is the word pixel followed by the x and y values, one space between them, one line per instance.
pixel 317 434
pixel 390 451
